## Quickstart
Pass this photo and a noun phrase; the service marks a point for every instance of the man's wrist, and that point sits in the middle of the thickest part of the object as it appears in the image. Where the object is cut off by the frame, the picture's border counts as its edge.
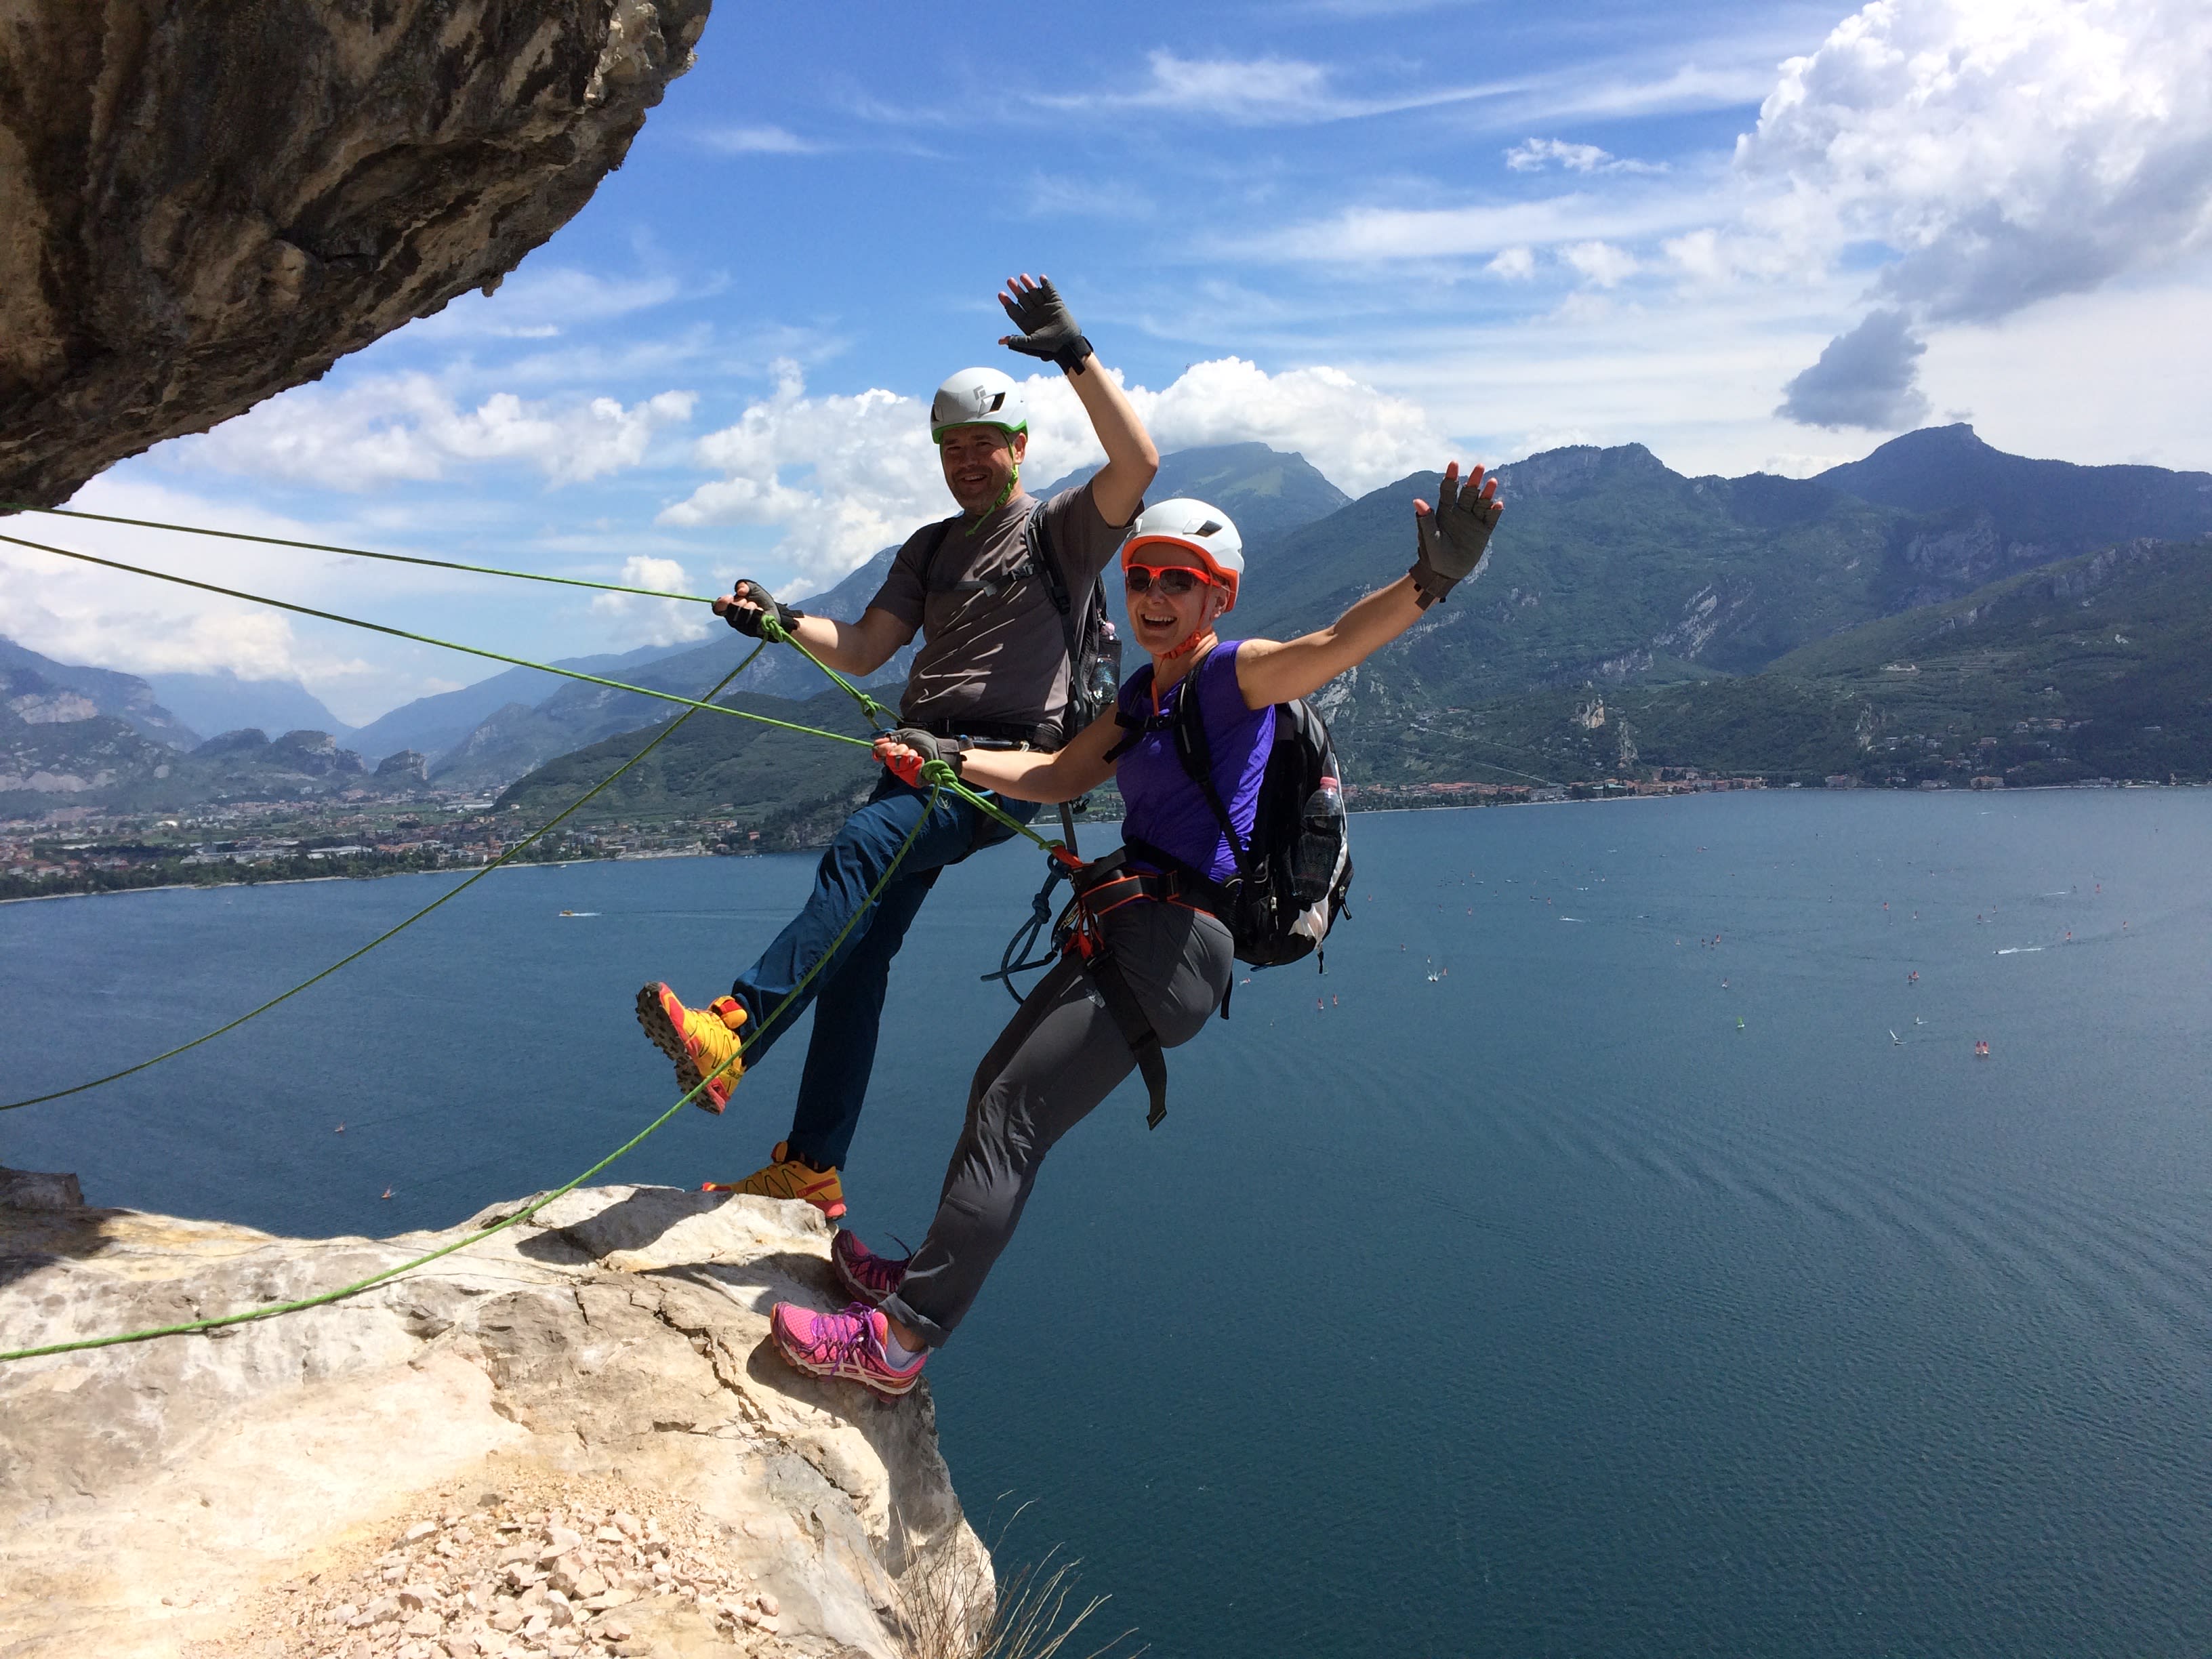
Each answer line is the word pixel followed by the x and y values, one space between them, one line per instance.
pixel 1073 356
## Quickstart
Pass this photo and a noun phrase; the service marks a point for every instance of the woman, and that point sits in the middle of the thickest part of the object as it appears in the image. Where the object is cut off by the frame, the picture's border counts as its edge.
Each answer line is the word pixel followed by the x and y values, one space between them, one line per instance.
pixel 1063 1052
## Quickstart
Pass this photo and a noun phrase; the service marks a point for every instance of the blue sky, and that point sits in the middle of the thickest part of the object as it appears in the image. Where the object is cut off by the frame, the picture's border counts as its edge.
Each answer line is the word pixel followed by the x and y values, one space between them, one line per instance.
pixel 1383 234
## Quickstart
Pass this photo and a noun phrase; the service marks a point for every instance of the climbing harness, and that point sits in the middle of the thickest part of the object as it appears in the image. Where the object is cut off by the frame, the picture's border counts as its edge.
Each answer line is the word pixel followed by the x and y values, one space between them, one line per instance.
pixel 1100 888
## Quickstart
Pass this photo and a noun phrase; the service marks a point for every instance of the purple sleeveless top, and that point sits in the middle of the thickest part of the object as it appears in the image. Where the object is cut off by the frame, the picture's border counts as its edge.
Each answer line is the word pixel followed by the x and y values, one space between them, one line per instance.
pixel 1165 805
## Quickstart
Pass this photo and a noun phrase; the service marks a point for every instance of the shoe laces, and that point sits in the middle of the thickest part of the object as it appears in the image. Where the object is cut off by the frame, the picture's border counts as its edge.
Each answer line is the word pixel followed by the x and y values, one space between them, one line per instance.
pixel 842 1338
pixel 878 1272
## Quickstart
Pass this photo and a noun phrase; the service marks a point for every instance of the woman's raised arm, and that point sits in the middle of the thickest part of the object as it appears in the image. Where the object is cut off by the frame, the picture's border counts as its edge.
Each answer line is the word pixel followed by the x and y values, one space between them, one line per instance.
pixel 1451 542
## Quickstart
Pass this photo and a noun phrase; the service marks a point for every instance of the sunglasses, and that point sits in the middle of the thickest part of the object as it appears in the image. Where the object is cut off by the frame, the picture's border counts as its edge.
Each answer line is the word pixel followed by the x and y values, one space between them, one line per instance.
pixel 1173 579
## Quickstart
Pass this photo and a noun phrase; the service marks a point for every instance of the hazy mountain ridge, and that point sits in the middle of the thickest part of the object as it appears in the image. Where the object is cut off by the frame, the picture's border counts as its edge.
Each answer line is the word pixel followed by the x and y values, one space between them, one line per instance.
pixel 59 746
pixel 222 701
pixel 122 696
pixel 58 749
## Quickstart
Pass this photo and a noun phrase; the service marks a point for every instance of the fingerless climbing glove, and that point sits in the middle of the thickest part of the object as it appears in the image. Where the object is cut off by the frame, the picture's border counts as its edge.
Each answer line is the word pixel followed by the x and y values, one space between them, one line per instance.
pixel 1451 542
pixel 926 746
pixel 748 622
pixel 1048 328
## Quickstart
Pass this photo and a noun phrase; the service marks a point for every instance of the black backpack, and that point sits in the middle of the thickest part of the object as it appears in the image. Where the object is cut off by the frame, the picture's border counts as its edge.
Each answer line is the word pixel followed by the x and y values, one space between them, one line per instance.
pixel 1293 877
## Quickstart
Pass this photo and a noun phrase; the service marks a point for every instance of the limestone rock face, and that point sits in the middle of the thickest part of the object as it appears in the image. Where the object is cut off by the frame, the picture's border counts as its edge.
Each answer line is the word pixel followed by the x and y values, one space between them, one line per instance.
pixel 204 201
pixel 609 1354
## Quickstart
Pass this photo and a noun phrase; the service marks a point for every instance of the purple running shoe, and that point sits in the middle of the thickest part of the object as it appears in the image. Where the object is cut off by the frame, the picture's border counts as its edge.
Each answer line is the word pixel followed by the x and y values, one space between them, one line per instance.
pixel 866 1276
pixel 849 1344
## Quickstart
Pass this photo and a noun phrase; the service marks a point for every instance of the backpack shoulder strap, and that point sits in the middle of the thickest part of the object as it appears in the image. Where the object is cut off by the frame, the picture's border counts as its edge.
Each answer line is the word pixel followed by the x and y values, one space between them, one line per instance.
pixel 1133 726
pixel 1046 562
pixel 1196 753
pixel 934 546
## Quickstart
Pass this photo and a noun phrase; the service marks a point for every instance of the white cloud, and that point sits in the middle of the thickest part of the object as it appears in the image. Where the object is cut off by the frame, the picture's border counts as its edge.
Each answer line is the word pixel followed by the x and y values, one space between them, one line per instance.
pixel 1054 195
pixel 651 620
pixel 81 613
pixel 1599 263
pixel 1362 235
pixel 540 303
pixel 2007 150
pixel 1261 92
pixel 843 475
pixel 1258 89
pixel 66 611
pixel 757 141
pixel 847 476
pixel 1534 155
pixel 1359 437
pixel 1515 264
pixel 408 428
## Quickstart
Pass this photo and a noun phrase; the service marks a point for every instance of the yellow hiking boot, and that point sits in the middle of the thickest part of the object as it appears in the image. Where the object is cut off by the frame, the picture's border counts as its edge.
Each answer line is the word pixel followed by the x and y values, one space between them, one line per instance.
pixel 786 1176
pixel 703 1042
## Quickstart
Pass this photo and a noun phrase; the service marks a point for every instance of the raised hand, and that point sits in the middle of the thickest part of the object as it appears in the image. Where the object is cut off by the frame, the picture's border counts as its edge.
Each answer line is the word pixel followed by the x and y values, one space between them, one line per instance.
pixel 1452 539
pixel 1048 328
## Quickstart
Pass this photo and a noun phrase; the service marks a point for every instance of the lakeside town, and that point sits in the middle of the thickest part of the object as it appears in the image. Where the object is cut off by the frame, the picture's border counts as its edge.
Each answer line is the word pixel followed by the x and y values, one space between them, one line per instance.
pixel 79 851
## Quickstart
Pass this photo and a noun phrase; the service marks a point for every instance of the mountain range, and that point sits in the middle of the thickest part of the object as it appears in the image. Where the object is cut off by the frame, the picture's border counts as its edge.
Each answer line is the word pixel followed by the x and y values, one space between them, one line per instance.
pixel 1730 620
pixel 1741 624
pixel 95 736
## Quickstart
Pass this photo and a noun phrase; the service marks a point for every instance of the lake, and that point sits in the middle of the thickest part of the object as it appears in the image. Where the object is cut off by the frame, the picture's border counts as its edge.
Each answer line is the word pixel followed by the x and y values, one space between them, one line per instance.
pixel 1625 1256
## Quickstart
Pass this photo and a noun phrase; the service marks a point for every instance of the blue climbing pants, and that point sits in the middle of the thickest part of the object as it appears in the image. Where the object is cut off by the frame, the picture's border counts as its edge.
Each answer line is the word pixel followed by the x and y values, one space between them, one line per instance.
pixel 848 995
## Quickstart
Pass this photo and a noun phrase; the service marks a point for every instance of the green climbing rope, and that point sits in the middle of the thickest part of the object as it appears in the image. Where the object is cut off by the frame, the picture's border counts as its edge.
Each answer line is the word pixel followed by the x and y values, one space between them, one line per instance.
pixel 771 629
pixel 354 552
pixel 273 1309
pixel 427 639
pixel 976 799
pixel 535 836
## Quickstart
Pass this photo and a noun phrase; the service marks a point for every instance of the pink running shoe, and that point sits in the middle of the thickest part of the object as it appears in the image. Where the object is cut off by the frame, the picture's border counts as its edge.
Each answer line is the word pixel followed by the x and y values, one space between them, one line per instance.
pixel 849 1344
pixel 866 1276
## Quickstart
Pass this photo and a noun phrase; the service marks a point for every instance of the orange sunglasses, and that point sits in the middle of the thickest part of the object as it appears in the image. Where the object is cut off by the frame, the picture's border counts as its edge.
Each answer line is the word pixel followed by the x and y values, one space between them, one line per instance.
pixel 1174 580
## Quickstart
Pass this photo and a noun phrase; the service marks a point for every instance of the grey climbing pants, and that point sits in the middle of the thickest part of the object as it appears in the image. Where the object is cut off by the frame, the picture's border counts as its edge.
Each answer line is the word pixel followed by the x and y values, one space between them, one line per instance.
pixel 1059 1056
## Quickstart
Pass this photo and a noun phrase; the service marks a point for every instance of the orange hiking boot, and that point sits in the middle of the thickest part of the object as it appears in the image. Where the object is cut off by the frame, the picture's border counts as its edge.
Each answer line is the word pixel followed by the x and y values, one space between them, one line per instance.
pixel 786 1176
pixel 703 1042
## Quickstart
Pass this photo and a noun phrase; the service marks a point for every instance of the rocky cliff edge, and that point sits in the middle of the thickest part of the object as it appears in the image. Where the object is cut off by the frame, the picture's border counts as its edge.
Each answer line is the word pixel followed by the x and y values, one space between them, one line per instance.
pixel 571 1439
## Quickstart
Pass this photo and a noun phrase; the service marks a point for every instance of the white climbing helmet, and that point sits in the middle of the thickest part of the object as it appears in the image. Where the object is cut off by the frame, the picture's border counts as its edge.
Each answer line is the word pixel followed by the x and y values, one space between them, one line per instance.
pixel 978 397
pixel 1195 528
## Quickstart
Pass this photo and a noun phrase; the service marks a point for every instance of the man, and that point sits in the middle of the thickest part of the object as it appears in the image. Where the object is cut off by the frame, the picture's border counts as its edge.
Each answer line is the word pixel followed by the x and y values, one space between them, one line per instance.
pixel 993 668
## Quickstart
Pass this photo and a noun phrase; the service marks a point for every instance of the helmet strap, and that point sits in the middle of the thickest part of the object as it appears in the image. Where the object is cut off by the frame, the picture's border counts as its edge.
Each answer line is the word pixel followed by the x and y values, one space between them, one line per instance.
pixel 1007 495
pixel 1204 636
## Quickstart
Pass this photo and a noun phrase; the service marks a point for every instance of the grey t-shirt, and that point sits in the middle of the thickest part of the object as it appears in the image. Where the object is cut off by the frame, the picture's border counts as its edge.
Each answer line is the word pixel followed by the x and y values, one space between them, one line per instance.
pixel 1002 657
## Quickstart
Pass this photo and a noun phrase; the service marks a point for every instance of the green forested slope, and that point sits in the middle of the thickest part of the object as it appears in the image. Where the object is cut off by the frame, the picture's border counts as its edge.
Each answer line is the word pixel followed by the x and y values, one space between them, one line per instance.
pixel 780 784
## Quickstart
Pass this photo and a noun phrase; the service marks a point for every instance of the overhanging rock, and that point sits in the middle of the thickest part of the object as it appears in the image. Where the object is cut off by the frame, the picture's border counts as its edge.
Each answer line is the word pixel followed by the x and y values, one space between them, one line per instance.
pixel 204 201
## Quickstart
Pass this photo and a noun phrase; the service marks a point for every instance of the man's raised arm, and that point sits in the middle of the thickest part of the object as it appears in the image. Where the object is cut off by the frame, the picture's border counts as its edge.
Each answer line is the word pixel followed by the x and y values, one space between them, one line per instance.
pixel 1049 331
